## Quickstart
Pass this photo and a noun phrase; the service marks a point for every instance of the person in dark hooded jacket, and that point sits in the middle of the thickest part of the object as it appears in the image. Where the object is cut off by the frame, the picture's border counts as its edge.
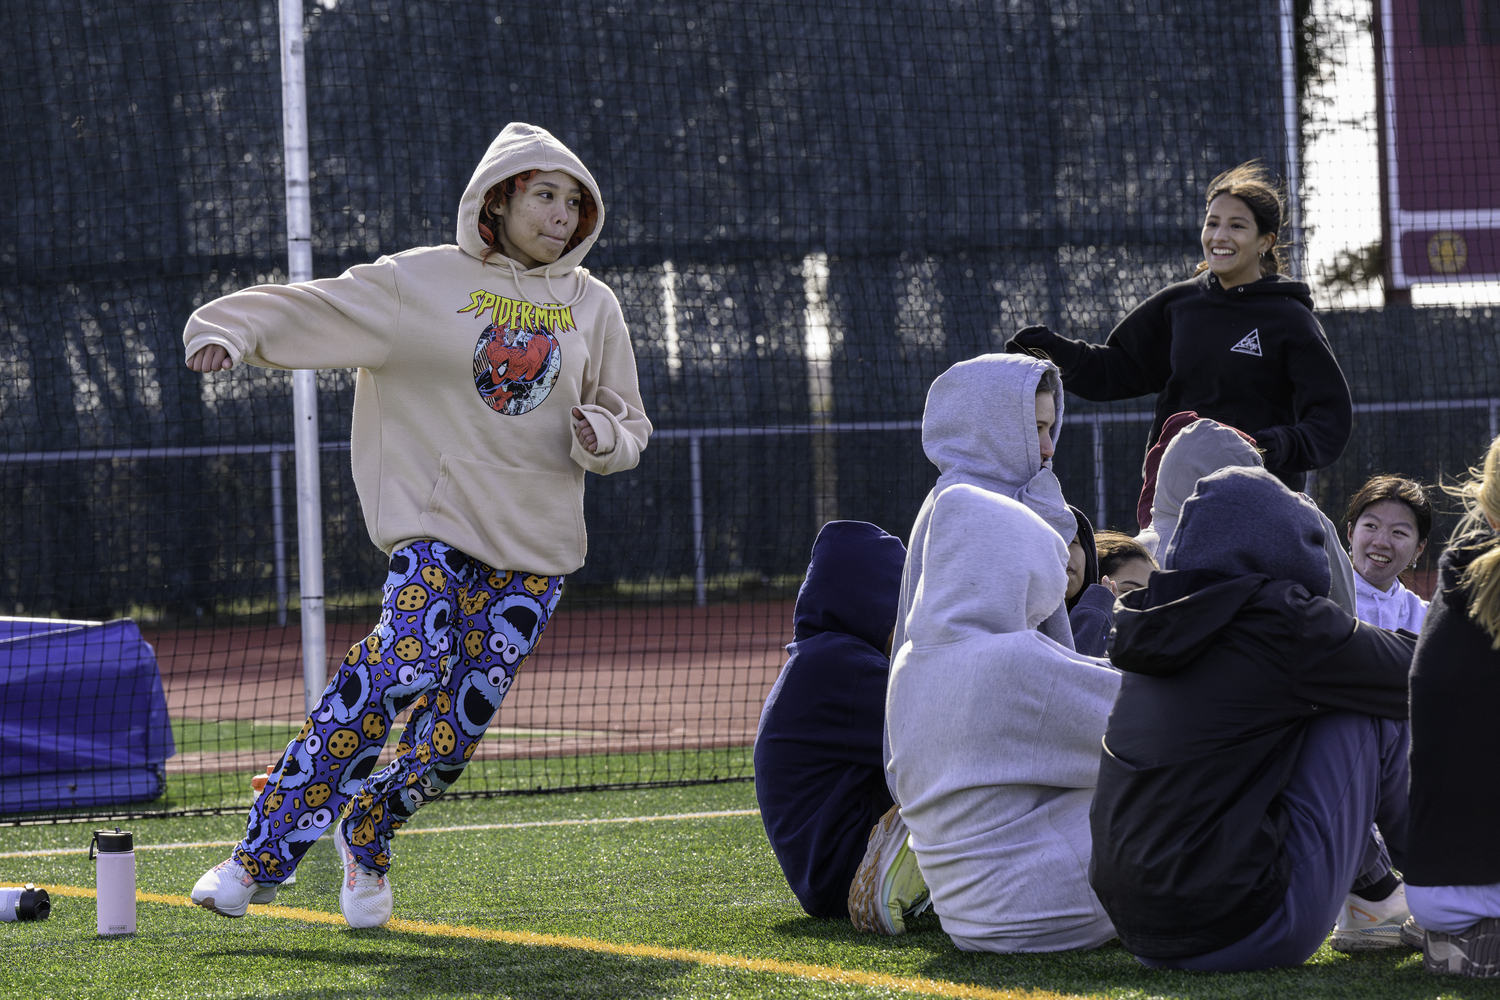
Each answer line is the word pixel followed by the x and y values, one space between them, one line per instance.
pixel 1258 734
pixel 1453 856
pixel 1236 343
pixel 1090 604
pixel 818 770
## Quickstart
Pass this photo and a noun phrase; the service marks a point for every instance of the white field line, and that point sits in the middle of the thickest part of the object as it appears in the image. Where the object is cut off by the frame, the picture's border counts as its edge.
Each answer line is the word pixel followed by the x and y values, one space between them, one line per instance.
pixel 186 845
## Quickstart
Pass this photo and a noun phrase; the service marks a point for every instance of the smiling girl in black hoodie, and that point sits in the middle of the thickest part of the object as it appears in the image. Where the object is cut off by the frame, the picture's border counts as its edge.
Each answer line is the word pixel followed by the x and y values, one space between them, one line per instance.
pixel 1237 342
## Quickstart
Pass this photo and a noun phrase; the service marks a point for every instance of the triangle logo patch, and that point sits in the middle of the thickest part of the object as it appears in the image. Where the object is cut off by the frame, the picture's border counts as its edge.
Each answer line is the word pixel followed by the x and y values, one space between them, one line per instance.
pixel 1249 344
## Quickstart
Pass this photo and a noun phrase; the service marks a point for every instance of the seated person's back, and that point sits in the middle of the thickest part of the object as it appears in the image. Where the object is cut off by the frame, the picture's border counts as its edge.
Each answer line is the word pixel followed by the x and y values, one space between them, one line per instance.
pixel 818 774
pixel 995 732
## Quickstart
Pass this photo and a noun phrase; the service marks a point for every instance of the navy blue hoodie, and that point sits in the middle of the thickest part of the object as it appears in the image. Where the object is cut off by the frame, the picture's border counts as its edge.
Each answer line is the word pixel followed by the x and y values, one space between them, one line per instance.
pixel 818 773
pixel 1252 357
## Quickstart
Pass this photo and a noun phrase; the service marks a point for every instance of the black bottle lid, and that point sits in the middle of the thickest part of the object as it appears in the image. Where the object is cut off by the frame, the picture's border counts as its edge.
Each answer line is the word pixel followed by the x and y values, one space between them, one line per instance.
pixel 112 842
pixel 34 904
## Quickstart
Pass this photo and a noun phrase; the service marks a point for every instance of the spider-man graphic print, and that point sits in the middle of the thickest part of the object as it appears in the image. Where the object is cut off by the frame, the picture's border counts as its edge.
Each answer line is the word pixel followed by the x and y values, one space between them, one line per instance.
pixel 517 357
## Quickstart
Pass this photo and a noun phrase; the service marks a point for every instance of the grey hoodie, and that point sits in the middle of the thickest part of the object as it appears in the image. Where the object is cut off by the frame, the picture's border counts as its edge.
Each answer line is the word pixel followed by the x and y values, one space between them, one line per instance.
pixel 995 733
pixel 979 427
pixel 1204 447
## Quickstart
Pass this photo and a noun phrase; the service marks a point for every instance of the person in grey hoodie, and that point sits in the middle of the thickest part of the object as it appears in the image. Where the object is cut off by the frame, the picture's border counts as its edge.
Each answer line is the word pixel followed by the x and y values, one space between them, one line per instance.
pixel 983 426
pixel 995 731
pixel 992 422
pixel 1204 447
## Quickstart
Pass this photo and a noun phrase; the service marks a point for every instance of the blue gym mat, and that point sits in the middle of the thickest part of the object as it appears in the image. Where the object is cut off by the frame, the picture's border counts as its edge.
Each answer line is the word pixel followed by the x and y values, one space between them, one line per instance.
pixel 83 718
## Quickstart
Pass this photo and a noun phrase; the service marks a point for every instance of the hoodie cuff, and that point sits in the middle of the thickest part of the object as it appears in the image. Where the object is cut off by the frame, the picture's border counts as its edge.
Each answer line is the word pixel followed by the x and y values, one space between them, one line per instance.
pixel 202 340
pixel 606 428
pixel 1273 442
pixel 1097 597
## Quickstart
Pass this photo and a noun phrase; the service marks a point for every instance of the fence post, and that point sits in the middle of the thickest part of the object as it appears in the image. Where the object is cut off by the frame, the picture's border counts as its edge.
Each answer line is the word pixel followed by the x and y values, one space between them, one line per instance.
pixel 278 535
pixel 1101 488
pixel 700 561
pixel 304 383
pixel 1292 128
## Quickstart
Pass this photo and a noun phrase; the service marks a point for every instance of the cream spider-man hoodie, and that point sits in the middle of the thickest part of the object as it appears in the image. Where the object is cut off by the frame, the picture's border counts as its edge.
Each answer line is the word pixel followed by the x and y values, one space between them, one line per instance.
pixel 468 373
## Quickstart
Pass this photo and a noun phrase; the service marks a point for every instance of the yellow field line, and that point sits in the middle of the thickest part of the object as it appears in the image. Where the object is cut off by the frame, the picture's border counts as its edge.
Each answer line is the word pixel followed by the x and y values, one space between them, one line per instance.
pixel 183 845
pixel 799 970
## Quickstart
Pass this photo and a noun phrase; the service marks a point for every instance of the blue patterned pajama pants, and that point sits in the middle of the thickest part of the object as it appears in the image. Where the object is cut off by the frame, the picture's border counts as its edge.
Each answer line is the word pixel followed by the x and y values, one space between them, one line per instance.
pixel 451 635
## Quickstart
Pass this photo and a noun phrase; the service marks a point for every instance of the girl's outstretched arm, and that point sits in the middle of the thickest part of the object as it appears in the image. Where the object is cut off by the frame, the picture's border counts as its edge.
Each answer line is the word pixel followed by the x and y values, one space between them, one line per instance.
pixel 344 322
pixel 1136 360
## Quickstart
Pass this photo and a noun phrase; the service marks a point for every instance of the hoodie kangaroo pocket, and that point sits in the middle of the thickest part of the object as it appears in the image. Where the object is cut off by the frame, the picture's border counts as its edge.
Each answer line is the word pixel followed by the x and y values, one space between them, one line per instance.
pixel 519 519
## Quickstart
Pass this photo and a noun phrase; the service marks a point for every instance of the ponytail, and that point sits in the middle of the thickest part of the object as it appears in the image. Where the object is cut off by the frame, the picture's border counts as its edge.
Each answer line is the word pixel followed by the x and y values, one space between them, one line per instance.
pixel 1480 494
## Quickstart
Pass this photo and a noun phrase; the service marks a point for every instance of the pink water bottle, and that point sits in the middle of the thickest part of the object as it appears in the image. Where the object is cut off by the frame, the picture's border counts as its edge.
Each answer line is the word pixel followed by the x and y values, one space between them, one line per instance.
pixel 114 878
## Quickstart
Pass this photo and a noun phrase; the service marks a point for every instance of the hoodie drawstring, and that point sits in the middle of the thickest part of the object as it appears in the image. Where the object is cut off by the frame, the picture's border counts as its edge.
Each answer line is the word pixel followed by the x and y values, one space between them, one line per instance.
pixel 583 286
pixel 580 272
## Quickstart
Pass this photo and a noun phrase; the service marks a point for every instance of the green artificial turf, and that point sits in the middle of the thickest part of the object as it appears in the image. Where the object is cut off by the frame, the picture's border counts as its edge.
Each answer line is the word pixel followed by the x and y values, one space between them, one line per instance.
pixel 710 885
pixel 218 735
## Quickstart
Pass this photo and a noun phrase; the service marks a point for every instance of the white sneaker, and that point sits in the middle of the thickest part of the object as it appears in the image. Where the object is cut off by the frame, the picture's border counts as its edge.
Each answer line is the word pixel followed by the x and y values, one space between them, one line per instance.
pixel 364 895
pixel 228 889
pixel 888 886
pixel 1368 926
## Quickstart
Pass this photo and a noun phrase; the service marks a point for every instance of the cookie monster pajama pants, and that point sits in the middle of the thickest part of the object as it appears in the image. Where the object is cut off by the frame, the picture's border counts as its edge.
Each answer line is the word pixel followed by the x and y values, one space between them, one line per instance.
pixel 451 635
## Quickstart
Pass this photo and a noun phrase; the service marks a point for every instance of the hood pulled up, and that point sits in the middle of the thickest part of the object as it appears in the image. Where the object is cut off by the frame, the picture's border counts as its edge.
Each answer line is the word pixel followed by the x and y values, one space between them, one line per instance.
pixel 979 428
pixel 518 148
pixel 852 585
pixel 967 590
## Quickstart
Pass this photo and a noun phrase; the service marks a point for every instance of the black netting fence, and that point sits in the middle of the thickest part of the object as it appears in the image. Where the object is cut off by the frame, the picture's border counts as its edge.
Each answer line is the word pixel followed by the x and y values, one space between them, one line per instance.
pixel 813 211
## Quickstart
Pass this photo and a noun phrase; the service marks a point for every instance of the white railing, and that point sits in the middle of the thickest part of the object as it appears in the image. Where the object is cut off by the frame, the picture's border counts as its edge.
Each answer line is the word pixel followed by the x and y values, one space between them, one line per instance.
pixel 1096 421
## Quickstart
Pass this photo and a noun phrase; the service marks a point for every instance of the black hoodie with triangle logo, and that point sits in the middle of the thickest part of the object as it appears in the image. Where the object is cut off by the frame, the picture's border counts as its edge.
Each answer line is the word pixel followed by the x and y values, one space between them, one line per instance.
pixel 1253 357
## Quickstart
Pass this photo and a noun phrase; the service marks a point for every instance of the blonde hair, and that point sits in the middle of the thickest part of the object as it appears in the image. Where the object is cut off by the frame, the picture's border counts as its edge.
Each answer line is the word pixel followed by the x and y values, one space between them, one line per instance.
pixel 1480 494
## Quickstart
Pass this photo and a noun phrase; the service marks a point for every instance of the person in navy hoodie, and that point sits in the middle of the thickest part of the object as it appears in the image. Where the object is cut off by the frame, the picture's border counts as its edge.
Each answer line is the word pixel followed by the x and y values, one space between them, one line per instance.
pixel 818 771
pixel 1237 342
pixel 1259 732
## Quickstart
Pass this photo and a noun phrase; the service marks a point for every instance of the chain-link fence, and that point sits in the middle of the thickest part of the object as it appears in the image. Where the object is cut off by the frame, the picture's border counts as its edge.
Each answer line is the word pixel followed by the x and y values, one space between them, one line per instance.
pixel 813 211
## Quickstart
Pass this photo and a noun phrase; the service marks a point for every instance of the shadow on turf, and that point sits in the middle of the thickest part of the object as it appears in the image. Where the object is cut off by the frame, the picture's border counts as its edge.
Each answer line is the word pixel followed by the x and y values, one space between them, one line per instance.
pixel 1111 970
pixel 923 932
pixel 456 966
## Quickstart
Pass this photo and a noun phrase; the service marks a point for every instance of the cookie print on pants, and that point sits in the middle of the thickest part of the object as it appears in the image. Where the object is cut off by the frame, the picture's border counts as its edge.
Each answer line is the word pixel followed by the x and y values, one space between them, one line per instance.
pixel 451 635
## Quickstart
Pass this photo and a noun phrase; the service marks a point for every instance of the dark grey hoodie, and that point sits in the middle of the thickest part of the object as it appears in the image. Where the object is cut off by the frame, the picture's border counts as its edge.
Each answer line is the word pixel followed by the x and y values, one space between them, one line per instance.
pixel 1226 655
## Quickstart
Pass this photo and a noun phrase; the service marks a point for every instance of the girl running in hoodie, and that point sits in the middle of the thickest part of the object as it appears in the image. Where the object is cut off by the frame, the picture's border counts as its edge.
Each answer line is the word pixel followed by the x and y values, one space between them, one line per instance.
pixel 492 375
pixel 1237 343
pixel 1389 520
